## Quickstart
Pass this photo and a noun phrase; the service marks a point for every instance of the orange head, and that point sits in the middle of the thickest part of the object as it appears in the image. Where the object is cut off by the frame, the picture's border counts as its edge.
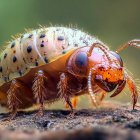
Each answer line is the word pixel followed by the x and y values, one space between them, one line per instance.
pixel 106 74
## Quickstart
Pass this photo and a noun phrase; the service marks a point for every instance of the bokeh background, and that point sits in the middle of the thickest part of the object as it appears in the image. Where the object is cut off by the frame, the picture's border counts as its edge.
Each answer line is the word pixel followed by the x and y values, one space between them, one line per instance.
pixel 112 21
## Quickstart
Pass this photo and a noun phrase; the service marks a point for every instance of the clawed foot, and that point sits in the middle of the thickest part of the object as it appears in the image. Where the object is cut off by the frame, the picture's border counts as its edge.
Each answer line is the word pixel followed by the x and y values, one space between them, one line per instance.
pixel 39 114
pixel 72 114
pixel 136 107
pixel 11 117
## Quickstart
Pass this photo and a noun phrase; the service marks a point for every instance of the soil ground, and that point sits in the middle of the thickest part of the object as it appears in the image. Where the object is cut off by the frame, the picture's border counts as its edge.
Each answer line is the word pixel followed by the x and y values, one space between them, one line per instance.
pixel 117 122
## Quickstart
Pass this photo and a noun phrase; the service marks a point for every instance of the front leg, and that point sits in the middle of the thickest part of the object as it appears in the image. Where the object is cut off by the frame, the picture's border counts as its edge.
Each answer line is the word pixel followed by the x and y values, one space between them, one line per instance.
pixel 133 43
pixel 133 89
pixel 39 90
pixel 63 90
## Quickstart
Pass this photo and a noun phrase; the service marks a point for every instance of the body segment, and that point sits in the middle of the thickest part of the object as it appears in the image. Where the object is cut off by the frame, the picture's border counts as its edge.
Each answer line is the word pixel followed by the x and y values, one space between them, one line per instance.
pixel 39 47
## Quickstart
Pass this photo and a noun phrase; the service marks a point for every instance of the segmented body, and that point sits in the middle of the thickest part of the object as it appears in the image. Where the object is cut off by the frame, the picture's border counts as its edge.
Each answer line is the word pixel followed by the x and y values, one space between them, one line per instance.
pixel 59 63
pixel 45 49
pixel 39 47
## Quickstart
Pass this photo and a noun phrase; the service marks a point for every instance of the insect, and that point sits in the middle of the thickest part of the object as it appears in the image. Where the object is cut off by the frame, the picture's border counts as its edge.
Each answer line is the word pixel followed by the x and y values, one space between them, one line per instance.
pixel 53 63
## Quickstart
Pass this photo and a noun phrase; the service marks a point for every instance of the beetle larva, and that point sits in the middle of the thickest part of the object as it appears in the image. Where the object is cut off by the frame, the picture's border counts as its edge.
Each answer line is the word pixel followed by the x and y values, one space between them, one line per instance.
pixel 59 63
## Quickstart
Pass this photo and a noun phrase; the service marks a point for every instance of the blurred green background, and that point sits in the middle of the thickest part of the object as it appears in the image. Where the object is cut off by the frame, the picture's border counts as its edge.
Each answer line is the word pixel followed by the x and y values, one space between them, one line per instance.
pixel 112 21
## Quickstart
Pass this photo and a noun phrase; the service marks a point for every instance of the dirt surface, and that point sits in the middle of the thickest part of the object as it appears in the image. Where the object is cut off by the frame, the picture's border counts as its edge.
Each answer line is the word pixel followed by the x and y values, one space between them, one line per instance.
pixel 115 123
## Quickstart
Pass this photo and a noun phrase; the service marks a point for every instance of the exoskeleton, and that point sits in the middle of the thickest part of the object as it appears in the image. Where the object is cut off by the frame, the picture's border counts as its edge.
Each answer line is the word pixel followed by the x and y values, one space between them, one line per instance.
pixel 53 63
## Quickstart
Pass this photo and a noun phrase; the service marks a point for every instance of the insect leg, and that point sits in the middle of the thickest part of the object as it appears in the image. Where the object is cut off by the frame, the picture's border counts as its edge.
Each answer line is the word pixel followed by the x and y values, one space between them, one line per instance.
pixel 133 89
pixel 134 43
pixel 12 100
pixel 74 103
pixel 103 94
pixel 99 93
pixel 39 90
pixel 63 90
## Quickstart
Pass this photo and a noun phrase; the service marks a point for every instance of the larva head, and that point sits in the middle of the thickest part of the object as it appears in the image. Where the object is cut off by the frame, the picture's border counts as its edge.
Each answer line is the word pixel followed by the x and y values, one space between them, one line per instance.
pixel 105 73
pixel 109 75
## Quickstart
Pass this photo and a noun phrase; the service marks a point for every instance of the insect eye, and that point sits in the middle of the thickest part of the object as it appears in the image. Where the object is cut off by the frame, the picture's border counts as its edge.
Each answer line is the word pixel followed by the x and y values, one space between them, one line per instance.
pixel 81 60
pixel 118 58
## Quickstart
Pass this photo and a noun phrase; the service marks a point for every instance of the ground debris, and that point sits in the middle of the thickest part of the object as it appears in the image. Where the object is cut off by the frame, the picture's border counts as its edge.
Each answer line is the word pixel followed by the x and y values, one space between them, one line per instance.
pixel 103 124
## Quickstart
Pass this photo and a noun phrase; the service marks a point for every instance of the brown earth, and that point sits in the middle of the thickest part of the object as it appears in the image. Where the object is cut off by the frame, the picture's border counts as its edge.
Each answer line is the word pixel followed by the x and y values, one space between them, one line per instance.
pixel 117 122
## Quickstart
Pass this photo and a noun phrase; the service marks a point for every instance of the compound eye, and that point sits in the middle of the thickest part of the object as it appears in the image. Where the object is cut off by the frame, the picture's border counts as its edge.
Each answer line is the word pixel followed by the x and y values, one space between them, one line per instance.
pixel 118 58
pixel 81 60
